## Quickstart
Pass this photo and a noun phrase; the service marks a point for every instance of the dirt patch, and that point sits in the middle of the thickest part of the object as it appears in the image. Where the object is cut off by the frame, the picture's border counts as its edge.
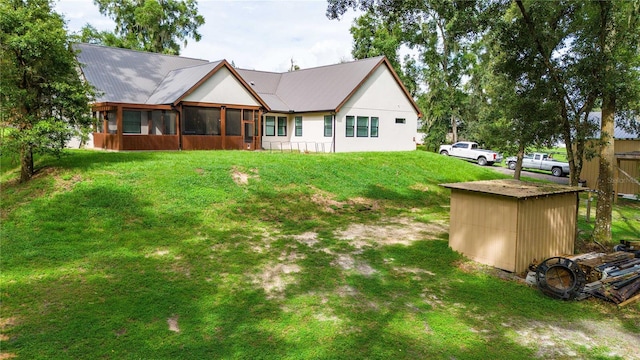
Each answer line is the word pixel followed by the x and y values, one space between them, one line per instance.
pixel 308 238
pixel 399 230
pixel 347 262
pixel 173 323
pixel 275 278
pixel 419 187
pixel 158 253
pixel 562 340
pixel 327 202
pixel 242 178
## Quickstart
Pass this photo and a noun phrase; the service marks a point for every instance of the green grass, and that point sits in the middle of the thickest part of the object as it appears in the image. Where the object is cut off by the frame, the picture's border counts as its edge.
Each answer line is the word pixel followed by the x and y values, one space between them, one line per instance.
pixel 100 250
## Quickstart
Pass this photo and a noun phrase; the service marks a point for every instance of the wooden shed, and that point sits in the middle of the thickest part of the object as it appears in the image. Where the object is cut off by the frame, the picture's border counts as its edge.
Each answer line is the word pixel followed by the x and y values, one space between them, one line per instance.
pixel 510 223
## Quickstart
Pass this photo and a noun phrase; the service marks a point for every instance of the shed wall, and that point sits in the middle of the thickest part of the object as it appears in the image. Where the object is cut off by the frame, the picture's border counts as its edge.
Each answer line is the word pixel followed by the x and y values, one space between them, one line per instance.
pixel 546 228
pixel 484 228
pixel 590 168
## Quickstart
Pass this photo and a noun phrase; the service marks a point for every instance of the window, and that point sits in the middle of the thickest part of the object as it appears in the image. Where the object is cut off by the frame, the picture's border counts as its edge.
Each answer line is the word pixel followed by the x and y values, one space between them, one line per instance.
pixel 363 126
pixel 328 125
pixel 374 127
pixel 201 121
pixel 270 126
pixel 298 125
pixel 282 126
pixel 401 121
pixel 349 131
pixel 233 122
pixel 131 122
pixel 162 122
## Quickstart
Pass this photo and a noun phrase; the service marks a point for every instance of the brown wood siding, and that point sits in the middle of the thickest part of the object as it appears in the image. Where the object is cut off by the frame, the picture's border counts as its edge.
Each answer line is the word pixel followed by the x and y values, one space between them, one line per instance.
pixel 201 142
pixel 150 142
pixel 625 186
pixel 484 228
pixel 546 228
pixel 106 141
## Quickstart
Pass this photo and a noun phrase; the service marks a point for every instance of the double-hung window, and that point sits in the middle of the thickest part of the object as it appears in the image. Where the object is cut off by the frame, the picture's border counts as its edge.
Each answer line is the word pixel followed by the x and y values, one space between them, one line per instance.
pixel 363 126
pixel 349 131
pixel 328 125
pixel 298 125
pixel 282 126
pixel 270 126
pixel 374 126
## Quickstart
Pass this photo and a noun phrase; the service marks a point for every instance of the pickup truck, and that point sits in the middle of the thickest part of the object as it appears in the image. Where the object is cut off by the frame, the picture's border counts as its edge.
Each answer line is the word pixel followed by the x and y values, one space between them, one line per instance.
pixel 540 161
pixel 469 151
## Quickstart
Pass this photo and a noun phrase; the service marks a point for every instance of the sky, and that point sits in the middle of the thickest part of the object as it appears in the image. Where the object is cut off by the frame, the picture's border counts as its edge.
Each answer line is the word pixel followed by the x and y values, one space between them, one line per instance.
pixel 253 34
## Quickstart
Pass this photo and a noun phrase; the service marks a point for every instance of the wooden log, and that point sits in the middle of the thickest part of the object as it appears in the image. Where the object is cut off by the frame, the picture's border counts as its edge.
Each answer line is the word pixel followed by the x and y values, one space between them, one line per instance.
pixel 629 301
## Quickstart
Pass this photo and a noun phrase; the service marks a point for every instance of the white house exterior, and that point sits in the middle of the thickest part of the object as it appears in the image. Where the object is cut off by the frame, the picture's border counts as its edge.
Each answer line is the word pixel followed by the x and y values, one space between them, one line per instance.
pixel 153 101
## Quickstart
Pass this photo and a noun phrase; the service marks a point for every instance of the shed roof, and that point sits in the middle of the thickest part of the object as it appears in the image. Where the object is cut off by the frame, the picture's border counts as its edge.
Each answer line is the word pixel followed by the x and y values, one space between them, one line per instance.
pixel 513 188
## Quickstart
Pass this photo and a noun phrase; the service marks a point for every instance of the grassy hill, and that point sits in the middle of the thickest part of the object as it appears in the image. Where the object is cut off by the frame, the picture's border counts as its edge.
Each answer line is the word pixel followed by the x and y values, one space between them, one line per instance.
pixel 193 255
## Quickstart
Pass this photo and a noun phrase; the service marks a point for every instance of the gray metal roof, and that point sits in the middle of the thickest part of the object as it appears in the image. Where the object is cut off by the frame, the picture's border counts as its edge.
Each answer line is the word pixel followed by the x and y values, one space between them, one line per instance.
pixel 620 132
pixel 178 82
pixel 322 88
pixel 127 76
pixel 136 77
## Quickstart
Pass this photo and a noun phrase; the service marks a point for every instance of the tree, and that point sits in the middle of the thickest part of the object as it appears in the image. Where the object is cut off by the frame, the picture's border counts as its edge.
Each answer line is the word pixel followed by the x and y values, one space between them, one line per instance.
pixel 43 97
pixel 148 25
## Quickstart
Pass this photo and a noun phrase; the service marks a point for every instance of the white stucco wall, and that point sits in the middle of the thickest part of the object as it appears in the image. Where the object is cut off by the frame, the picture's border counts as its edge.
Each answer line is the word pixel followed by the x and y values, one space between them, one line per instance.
pixel 222 88
pixel 312 139
pixel 380 96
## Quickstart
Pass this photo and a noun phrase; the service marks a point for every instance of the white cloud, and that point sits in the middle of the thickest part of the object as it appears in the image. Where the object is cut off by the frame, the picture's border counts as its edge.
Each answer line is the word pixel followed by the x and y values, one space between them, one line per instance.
pixel 261 35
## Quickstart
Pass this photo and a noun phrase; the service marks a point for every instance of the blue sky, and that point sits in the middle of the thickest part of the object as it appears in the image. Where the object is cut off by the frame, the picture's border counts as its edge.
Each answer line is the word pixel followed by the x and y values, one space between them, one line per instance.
pixel 257 34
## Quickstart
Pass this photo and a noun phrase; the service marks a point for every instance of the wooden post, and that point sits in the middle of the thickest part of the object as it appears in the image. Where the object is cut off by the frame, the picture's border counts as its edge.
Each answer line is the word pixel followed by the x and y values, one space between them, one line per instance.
pixel 588 206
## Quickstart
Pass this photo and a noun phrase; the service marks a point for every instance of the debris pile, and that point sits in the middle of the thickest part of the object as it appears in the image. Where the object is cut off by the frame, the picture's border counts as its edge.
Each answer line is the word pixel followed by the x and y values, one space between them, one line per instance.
pixel 613 277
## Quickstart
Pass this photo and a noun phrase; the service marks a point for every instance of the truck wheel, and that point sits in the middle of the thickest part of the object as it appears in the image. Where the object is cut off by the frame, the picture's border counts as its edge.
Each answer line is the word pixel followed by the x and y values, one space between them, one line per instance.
pixel 512 165
pixel 482 161
pixel 444 152
pixel 556 171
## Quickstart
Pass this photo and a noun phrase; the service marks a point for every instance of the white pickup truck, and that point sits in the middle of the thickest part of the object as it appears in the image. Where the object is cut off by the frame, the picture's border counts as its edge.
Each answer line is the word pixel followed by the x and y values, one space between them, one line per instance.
pixel 470 151
pixel 540 161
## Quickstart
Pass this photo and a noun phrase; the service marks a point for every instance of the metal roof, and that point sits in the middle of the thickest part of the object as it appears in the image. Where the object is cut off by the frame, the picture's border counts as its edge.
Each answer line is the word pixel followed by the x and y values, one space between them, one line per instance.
pixel 127 76
pixel 322 88
pixel 620 132
pixel 178 82
pixel 136 77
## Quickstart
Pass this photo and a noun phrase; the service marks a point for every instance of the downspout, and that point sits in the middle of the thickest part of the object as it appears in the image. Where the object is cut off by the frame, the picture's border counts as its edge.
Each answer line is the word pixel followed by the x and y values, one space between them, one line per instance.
pixel 333 115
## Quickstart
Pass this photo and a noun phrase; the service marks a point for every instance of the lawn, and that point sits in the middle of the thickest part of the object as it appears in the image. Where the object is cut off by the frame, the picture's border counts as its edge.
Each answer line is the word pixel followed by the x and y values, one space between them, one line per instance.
pixel 258 255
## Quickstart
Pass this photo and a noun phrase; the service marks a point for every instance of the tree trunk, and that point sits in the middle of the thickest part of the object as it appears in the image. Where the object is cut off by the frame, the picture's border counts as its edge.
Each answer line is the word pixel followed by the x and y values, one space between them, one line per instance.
pixel 602 229
pixel 454 129
pixel 518 170
pixel 26 163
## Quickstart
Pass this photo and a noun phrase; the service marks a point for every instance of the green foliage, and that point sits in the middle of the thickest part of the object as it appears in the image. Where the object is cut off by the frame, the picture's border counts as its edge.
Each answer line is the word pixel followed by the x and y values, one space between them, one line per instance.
pixel 148 25
pixel 101 253
pixel 43 97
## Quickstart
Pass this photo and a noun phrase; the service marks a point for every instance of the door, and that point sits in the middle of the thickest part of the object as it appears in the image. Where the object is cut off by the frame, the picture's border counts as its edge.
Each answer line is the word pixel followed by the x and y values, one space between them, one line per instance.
pixel 248 134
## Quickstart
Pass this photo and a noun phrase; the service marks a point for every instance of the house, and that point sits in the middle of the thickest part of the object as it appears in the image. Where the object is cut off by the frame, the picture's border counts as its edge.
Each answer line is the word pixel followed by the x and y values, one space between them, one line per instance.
pixel 150 101
pixel 626 144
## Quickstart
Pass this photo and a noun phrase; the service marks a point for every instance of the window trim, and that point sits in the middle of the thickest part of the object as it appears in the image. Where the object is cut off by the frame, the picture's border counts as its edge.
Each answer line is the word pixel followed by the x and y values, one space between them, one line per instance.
pixel 268 127
pixel 376 127
pixel 282 125
pixel 328 125
pixel 350 129
pixel 297 125
pixel 362 130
